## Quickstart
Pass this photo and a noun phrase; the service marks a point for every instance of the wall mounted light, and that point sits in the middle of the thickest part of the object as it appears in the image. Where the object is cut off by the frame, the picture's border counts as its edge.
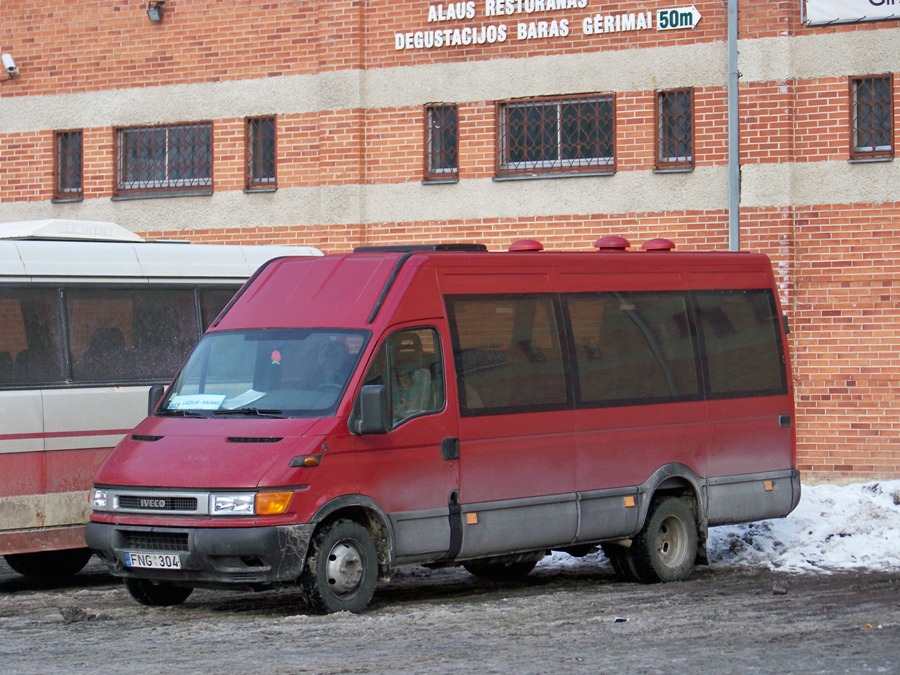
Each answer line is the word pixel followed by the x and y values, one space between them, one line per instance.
pixel 9 65
pixel 155 11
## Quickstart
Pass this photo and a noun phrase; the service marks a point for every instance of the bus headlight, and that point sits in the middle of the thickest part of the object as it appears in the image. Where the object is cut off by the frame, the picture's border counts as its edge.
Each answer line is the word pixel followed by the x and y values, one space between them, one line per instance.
pixel 232 504
pixel 250 503
pixel 99 499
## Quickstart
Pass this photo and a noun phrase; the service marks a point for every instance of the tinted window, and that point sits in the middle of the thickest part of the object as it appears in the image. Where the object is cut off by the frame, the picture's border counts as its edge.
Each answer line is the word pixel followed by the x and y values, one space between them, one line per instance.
pixel 632 347
pixel 31 349
pixel 129 334
pixel 508 354
pixel 213 301
pixel 742 341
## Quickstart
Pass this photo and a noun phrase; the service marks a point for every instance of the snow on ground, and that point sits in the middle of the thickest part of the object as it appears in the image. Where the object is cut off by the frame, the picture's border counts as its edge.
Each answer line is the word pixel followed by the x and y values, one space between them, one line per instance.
pixel 834 528
pixel 851 527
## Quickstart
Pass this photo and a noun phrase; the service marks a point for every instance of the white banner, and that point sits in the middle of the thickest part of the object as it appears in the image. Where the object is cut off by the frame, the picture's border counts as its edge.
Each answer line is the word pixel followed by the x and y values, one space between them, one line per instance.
pixel 844 11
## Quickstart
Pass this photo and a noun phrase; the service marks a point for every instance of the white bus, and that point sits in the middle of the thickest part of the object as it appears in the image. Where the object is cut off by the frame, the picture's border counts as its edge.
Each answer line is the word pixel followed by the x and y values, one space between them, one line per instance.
pixel 90 317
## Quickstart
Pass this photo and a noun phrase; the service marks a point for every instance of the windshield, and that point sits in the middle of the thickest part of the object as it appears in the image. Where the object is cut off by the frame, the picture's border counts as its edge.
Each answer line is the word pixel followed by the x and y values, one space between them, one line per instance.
pixel 276 372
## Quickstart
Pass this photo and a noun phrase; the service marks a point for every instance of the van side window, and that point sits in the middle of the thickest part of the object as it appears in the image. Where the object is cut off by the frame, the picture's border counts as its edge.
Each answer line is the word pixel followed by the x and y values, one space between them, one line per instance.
pixel 632 348
pixel 410 366
pixel 741 335
pixel 508 353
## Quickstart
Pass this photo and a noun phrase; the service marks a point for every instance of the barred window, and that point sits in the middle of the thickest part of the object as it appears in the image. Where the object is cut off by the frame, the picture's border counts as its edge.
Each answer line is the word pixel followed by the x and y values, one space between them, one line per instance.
pixel 260 152
pixel 164 158
pixel 68 165
pixel 442 141
pixel 871 126
pixel 561 135
pixel 675 129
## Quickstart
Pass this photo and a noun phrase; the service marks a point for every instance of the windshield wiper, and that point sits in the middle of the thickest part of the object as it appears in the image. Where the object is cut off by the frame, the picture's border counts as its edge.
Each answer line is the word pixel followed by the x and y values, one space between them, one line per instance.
pixel 175 412
pixel 260 412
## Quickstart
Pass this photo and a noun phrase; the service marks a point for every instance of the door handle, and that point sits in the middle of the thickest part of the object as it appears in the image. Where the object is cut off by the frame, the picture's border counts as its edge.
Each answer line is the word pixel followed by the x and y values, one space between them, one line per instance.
pixel 450 448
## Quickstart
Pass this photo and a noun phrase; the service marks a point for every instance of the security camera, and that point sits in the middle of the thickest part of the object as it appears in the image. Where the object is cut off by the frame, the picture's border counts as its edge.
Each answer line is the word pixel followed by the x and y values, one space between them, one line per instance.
pixel 10 64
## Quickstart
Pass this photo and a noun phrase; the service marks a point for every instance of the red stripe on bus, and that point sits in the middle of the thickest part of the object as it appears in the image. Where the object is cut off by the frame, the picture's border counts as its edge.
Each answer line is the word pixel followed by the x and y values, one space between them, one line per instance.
pixel 47 472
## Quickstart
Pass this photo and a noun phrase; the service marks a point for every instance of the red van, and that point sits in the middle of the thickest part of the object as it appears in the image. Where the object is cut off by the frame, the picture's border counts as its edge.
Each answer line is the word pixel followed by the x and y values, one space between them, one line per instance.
pixel 448 405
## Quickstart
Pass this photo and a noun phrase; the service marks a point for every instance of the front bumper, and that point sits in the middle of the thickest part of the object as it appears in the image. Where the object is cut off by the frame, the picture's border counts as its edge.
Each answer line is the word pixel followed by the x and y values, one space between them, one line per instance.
pixel 250 557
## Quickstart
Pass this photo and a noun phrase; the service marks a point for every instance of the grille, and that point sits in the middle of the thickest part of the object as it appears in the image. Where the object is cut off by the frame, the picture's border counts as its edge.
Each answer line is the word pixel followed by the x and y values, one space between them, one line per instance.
pixel 155 541
pixel 151 503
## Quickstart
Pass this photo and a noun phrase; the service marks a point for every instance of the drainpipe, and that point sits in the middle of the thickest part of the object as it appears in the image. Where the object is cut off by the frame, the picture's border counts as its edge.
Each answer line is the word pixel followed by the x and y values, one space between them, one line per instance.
pixel 734 160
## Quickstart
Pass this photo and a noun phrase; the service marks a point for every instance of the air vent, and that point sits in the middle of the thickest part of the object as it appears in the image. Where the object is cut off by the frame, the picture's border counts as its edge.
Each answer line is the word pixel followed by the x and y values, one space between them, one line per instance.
pixel 526 245
pixel 658 245
pixel 254 439
pixel 143 437
pixel 155 541
pixel 612 243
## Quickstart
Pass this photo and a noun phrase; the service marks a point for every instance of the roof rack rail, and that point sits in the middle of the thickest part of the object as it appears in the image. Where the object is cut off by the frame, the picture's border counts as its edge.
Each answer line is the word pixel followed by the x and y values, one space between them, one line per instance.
pixel 413 248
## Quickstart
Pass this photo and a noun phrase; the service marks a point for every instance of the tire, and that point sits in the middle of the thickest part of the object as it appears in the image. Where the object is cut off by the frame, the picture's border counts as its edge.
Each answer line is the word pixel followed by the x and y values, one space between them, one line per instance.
pixel 157 595
pixel 342 569
pixel 49 564
pixel 622 560
pixel 665 548
pixel 503 568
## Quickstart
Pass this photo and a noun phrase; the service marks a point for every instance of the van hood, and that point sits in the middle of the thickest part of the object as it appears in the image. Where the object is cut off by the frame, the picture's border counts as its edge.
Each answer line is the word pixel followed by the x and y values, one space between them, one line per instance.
pixel 209 453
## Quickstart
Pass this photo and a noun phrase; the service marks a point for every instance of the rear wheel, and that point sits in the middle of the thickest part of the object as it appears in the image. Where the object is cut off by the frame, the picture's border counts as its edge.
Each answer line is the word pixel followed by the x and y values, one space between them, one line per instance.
pixel 622 560
pixel 342 569
pixel 47 564
pixel 504 568
pixel 665 548
pixel 157 595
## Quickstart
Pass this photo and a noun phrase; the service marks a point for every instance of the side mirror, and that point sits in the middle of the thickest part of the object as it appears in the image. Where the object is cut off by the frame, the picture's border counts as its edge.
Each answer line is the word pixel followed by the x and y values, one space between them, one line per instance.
pixel 156 393
pixel 370 411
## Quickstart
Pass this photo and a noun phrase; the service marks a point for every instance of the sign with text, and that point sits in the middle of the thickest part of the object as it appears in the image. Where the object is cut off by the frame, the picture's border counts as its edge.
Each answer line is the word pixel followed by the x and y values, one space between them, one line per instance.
pixel 528 20
pixel 845 11
pixel 681 17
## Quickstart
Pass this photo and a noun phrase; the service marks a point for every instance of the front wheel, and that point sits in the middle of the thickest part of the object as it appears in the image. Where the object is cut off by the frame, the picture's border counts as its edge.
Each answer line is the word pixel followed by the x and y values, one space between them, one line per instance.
pixel 157 595
pixel 664 550
pixel 342 569
pixel 49 564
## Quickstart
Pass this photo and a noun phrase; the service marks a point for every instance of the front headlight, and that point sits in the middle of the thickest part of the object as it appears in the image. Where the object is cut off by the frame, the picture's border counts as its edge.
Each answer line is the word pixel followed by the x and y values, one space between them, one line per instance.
pixel 232 504
pixel 99 500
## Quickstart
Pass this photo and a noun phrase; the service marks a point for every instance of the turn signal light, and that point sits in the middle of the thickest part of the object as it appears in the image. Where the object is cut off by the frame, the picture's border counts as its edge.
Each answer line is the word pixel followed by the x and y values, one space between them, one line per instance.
pixel 273 503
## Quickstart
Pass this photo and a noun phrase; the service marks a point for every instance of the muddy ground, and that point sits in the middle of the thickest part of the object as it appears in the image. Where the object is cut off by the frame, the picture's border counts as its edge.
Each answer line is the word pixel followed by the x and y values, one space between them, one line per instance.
pixel 561 619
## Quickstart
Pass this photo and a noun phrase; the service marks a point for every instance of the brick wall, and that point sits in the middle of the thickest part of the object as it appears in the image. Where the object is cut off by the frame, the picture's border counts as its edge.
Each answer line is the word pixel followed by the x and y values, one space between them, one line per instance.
pixel 837 263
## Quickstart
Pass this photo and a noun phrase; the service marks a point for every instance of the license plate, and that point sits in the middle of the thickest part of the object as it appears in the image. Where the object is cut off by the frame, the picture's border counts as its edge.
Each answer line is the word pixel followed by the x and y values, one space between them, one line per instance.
pixel 156 561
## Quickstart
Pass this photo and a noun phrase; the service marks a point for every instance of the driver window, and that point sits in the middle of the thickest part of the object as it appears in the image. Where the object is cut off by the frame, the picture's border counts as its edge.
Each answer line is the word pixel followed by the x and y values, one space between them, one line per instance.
pixel 410 367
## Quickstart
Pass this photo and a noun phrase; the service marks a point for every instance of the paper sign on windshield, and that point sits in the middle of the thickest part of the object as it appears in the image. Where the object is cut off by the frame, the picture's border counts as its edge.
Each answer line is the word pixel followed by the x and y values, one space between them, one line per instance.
pixel 197 402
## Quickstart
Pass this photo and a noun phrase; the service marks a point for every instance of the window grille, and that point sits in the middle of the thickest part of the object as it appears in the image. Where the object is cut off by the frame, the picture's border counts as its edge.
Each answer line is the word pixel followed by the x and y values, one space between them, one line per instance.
pixel 562 135
pixel 872 130
pixel 675 129
pixel 260 152
pixel 68 165
pixel 164 158
pixel 442 141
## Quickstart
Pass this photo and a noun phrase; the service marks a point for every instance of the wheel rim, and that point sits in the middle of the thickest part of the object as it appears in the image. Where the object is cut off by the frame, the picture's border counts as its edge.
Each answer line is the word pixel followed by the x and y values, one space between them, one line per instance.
pixel 672 539
pixel 345 567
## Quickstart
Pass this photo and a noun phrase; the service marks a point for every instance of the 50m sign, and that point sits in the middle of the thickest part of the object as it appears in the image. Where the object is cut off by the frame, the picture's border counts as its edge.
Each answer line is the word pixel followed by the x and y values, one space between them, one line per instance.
pixel 677 18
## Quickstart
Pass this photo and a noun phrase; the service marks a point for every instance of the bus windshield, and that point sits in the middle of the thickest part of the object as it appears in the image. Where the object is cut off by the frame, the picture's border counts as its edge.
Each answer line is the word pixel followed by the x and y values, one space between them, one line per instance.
pixel 275 373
